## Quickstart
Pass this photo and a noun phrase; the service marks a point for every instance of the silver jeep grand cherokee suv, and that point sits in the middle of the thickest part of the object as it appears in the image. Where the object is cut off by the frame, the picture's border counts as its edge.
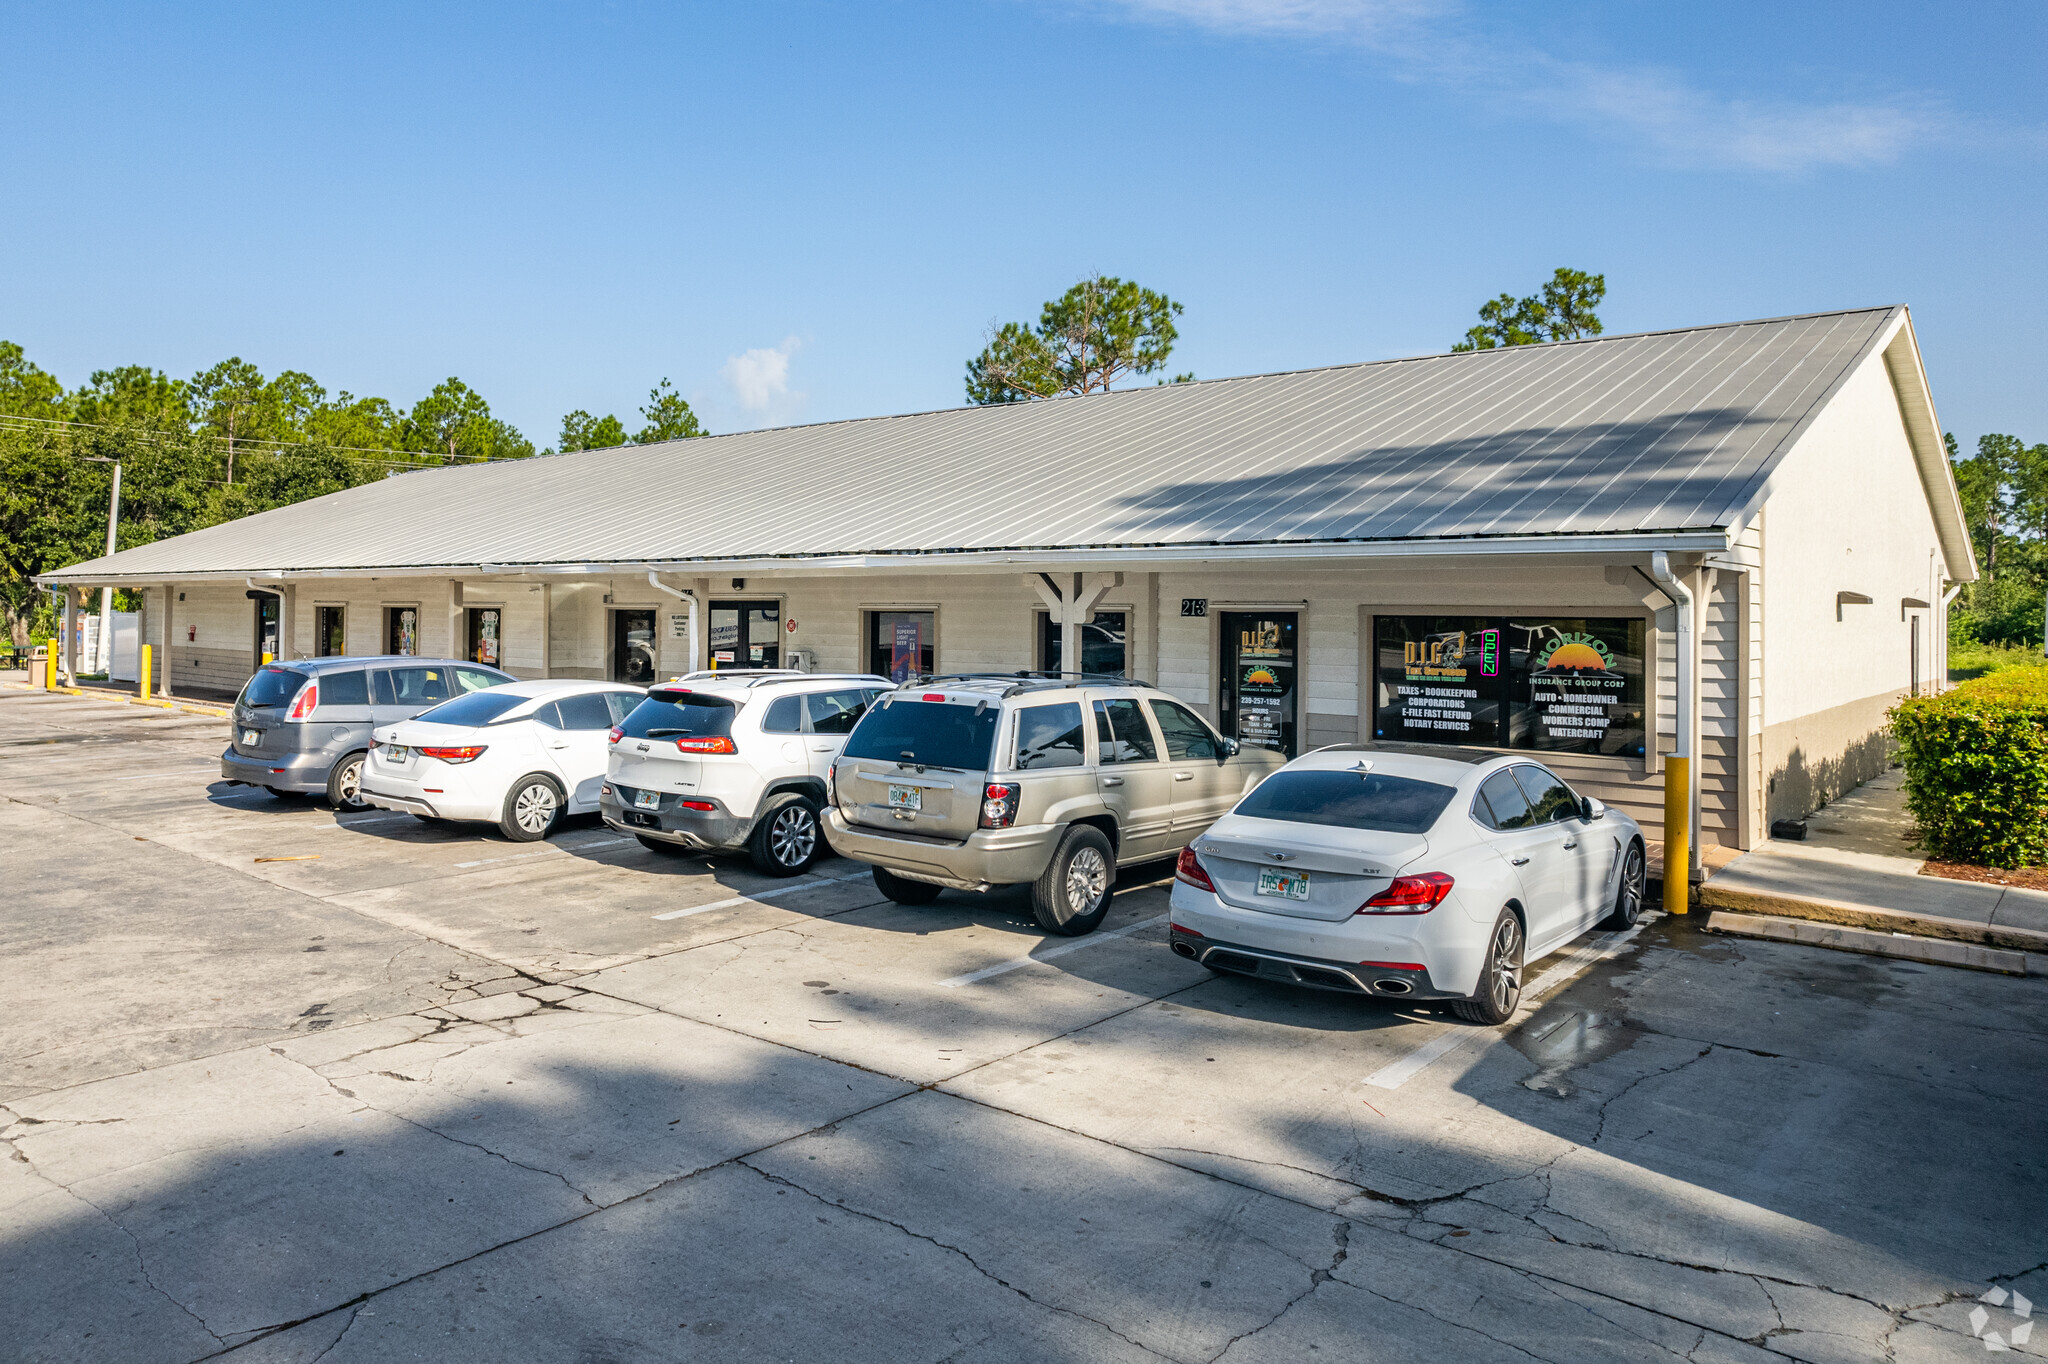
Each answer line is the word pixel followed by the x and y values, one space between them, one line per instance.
pixel 975 782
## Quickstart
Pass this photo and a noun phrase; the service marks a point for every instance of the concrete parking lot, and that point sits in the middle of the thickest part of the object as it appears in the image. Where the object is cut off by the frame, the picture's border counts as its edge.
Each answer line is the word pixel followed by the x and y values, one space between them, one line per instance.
pixel 289 1086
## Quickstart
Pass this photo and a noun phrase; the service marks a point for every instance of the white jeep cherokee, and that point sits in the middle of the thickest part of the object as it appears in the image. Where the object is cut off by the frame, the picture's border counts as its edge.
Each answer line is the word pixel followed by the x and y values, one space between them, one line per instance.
pixel 720 761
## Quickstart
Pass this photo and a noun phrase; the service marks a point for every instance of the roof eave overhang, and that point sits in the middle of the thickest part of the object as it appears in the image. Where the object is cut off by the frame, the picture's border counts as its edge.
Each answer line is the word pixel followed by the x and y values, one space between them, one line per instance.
pixel 1697 541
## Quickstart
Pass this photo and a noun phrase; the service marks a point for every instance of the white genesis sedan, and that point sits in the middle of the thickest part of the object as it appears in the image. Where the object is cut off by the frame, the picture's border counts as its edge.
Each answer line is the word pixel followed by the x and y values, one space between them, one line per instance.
pixel 1408 873
pixel 520 755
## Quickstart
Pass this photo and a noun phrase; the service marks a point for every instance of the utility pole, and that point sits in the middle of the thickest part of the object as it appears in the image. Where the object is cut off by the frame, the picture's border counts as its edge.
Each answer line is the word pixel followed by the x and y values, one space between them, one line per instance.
pixel 104 662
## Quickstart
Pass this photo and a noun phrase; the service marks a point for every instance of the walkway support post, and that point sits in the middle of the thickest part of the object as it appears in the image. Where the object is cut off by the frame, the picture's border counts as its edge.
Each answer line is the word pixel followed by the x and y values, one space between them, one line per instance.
pixel 1678 800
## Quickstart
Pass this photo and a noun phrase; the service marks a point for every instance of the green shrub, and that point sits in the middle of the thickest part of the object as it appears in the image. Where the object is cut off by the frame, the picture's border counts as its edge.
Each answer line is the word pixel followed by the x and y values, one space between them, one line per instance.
pixel 1976 761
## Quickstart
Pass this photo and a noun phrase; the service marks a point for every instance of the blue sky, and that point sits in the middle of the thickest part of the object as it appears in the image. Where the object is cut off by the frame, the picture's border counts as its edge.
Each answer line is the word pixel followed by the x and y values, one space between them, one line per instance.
pixel 801 212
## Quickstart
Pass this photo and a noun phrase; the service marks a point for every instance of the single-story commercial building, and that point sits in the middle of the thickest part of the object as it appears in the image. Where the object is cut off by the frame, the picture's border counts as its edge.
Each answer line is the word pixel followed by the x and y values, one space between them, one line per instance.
pixel 1735 542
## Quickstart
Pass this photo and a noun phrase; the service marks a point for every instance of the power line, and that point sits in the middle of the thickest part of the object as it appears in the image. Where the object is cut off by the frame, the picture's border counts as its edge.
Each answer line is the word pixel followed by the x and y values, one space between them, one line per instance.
pixel 282 447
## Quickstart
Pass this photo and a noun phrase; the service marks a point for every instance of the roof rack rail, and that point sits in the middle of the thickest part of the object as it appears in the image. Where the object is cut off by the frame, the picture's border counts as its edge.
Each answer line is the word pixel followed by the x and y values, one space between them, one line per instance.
pixel 1022 681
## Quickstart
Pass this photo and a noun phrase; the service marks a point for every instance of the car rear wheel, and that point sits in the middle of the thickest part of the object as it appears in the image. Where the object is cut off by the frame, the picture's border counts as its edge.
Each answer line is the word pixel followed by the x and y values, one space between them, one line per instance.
pixel 531 808
pixel 345 784
pixel 786 840
pixel 1073 894
pixel 1628 898
pixel 903 890
pixel 1500 980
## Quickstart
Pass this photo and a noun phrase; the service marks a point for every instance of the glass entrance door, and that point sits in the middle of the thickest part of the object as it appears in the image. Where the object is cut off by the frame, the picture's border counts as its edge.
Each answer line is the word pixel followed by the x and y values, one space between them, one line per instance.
pixel 633 658
pixel 266 627
pixel 746 634
pixel 1260 676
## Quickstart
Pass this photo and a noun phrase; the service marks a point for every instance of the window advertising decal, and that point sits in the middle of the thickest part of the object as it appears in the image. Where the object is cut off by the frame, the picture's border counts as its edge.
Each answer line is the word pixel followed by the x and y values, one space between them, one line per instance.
pixel 483 642
pixel 1437 679
pixel 906 649
pixel 1556 685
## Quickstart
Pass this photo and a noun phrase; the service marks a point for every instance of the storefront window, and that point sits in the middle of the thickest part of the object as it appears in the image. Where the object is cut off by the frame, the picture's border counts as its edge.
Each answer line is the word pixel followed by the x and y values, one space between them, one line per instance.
pixel 484 643
pixel 402 630
pixel 900 644
pixel 1552 684
pixel 1102 643
pixel 328 640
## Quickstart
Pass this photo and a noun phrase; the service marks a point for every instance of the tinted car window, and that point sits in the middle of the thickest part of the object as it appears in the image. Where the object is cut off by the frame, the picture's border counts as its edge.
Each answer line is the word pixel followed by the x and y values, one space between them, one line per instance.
pixel 1349 800
pixel 785 716
pixel 679 715
pixel 1186 735
pixel 836 712
pixel 621 703
pixel 474 708
pixel 344 689
pixel 387 695
pixel 546 714
pixel 476 679
pixel 1121 734
pixel 585 711
pixel 1502 804
pixel 1550 799
pixel 422 686
pixel 1050 736
pixel 272 686
pixel 928 732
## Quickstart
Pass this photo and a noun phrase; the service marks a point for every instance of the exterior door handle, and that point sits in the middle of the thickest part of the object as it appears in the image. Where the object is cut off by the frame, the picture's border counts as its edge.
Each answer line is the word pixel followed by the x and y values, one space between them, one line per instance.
pixel 1112 781
pixel 1518 861
pixel 1183 776
pixel 821 748
pixel 1572 843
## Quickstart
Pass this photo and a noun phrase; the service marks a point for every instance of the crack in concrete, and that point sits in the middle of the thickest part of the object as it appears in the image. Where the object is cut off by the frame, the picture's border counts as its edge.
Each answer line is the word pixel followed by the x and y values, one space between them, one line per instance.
pixel 972 1263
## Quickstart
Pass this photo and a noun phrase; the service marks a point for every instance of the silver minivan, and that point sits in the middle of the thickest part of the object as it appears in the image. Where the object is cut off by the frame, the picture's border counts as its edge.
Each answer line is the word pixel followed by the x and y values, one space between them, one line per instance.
pixel 302 728
pixel 976 782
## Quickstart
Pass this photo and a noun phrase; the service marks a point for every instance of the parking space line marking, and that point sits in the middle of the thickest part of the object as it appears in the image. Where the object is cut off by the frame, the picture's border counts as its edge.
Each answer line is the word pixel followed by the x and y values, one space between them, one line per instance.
pixel 759 895
pixel 1398 1073
pixel 174 772
pixel 1072 945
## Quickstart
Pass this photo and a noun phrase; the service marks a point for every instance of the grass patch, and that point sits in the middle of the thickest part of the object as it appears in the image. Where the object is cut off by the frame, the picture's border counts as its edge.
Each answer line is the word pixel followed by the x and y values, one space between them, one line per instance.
pixel 1966 661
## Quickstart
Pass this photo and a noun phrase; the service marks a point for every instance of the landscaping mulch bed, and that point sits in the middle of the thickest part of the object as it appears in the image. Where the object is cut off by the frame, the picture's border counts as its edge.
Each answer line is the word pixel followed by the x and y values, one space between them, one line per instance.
pixel 2027 878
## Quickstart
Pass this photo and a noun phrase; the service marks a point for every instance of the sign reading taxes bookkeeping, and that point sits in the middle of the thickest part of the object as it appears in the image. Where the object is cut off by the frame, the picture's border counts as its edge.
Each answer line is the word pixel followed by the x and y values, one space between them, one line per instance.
pixel 1552 684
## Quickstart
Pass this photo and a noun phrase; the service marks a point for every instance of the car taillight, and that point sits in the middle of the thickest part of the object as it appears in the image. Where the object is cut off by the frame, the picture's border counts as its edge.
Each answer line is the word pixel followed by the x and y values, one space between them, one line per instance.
pixel 1410 895
pixel 618 733
pixel 933 696
pixel 467 753
pixel 831 783
pixel 1183 928
pixel 718 744
pixel 303 703
pixel 998 805
pixel 1191 870
pixel 704 805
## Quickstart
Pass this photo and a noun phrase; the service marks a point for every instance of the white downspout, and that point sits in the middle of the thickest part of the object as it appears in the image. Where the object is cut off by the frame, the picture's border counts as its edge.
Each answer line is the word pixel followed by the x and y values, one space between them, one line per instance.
pixel 654 581
pixel 1678 776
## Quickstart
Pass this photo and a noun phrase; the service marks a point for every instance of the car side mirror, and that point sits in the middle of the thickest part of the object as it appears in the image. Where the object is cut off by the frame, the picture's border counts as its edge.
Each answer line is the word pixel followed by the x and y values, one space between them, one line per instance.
pixel 1591 809
pixel 1228 748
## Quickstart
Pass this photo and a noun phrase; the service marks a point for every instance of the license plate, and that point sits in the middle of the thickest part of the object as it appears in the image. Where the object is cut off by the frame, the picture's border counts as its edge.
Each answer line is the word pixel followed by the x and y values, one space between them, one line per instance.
pixel 251 737
pixel 396 754
pixel 1289 885
pixel 906 798
pixel 647 800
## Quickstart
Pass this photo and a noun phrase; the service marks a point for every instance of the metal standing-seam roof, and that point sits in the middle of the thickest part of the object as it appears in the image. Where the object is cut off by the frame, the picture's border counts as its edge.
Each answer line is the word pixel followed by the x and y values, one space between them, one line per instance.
pixel 1658 432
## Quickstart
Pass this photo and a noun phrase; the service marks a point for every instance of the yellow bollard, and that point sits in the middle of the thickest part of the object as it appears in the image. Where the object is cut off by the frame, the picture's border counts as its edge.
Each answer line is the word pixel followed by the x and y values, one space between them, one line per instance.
pixel 1677 834
pixel 266 659
pixel 144 693
pixel 50 670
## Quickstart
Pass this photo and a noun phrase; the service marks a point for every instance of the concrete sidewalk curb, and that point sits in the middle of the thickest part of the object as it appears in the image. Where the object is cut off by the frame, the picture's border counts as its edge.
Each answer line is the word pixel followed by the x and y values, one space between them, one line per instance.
pixel 1848 915
pixel 156 702
pixel 1934 951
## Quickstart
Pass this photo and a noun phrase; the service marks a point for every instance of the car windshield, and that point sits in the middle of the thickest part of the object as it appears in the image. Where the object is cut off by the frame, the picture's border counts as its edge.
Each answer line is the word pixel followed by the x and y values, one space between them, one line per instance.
pixel 931 733
pixel 1349 800
pixel 679 714
pixel 272 686
pixel 473 708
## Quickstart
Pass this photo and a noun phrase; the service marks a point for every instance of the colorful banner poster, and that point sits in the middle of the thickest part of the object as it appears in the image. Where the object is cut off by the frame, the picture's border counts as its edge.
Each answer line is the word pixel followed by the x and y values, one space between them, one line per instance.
pixel 906 649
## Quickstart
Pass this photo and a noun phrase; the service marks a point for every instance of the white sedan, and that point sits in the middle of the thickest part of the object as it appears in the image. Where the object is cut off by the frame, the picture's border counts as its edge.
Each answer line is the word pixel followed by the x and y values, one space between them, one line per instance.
pixel 520 756
pixel 1405 873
